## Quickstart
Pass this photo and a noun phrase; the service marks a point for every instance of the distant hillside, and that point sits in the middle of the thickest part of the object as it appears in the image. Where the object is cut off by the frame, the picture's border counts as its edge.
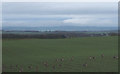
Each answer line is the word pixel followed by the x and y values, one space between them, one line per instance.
pixel 55 34
pixel 61 28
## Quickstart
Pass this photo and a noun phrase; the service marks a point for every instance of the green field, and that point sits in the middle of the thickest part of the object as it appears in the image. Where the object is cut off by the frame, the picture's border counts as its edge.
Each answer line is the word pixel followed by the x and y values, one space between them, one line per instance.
pixel 33 52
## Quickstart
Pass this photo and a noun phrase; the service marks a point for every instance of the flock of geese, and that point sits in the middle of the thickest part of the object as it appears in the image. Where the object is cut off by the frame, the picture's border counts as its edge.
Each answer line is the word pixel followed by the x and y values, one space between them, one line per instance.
pixel 45 64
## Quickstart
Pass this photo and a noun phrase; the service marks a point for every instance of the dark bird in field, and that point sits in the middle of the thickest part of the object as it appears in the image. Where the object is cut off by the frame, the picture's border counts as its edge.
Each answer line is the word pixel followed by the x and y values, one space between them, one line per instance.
pixel 57 60
pixel 36 68
pixel 60 65
pixel 102 55
pixel 16 65
pixel 45 64
pixel 30 67
pixel 115 57
pixel 53 67
pixel 62 59
pixel 85 65
pixel 94 57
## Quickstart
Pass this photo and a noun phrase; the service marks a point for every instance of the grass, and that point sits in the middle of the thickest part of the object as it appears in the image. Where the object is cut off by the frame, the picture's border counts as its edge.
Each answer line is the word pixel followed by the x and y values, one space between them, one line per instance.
pixel 26 52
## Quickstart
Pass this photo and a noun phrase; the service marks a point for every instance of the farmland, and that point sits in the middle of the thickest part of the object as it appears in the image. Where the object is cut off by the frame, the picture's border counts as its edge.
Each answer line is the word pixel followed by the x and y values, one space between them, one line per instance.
pixel 31 54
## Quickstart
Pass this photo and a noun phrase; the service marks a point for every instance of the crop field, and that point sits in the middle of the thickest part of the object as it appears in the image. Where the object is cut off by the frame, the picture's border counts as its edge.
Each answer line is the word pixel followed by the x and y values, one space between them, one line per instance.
pixel 85 54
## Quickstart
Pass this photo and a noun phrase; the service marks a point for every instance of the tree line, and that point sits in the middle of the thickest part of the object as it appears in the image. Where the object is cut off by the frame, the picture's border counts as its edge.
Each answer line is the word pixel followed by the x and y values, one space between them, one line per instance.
pixel 55 36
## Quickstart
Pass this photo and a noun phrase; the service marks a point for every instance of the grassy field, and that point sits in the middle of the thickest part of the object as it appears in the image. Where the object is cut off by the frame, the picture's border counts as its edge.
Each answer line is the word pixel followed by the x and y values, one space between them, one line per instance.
pixel 29 55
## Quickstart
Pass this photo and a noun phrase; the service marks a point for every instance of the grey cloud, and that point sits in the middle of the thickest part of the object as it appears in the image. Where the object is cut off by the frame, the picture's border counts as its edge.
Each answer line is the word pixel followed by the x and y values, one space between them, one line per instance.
pixel 59 8
pixel 54 14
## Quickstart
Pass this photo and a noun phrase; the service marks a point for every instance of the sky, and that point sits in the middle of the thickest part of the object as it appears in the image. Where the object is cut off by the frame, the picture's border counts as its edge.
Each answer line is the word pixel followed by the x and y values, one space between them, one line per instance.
pixel 59 0
pixel 47 14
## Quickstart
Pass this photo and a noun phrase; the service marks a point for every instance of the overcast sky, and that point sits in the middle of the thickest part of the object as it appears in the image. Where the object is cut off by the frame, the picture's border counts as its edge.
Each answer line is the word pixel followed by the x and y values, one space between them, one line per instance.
pixel 59 0
pixel 37 14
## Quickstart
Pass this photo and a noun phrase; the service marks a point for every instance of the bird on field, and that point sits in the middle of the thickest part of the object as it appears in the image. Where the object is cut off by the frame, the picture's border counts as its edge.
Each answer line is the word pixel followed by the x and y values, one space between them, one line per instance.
pixel 30 67
pixel 71 59
pixel 102 55
pixel 62 59
pixel 85 65
pixel 57 60
pixel 94 57
pixel 90 57
pixel 53 67
pixel 36 68
pixel 45 64
pixel 21 70
pixel 16 65
pixel 60 65
pixel 115 57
